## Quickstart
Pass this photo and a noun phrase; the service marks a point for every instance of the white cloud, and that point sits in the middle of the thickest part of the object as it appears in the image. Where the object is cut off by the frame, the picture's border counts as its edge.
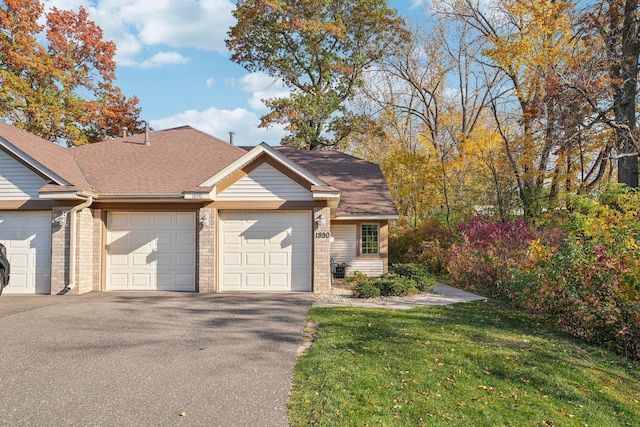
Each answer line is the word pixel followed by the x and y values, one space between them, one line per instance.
pixel 162 58
pixel 134 24
pixel 261 86
pixel 419 3
pixel 220 122
pixel 209 82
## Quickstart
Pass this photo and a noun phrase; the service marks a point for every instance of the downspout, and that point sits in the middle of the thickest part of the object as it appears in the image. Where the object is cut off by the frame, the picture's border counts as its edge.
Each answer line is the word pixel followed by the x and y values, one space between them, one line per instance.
pixel 72 240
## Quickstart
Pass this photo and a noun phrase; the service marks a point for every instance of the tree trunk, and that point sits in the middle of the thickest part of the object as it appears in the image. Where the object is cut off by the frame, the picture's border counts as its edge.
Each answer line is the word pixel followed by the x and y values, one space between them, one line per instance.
pixel 625 72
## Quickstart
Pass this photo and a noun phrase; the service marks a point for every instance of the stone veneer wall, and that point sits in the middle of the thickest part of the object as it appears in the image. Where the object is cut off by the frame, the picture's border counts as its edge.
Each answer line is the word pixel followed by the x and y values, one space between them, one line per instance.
pixel 321 252
pixel 206 251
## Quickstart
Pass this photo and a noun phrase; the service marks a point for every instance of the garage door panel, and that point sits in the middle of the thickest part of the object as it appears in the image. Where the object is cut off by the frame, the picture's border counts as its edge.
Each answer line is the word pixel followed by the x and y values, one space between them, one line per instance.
pixel 163 259
pixel 118 223
pixel 253 259
pixel 233 259
pixel 255 280
pixel 118 260
pixel 184 280
pixel 118 280
pixel 139 259
pixel 149 251
pixel 163 220
pixel 278 238
pixel 142 280
pixel 261 250
pixel 279 258
pixel 184 239
pixel 232 238
pixel 185 259
pixel 141 220
pixel 279 280
pixel 232 281
pixel 186 221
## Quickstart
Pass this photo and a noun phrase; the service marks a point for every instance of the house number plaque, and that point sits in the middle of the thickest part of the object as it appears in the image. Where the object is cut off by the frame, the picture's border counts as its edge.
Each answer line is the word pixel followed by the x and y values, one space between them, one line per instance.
pixel 322 234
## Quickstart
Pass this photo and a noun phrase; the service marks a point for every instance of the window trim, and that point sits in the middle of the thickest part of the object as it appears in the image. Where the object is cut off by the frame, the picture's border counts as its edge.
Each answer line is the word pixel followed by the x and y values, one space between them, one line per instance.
pixel 361 242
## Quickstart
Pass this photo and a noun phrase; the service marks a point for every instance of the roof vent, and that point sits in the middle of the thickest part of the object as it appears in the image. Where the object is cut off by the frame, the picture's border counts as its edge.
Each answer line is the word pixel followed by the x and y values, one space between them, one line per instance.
pixel 231 135
pixel 124 132
pixel 146 134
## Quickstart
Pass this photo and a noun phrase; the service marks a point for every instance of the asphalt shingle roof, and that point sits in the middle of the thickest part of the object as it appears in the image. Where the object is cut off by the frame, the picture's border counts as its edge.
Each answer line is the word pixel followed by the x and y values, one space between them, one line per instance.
pixel 362 185
pixel 180 159
pixel 176 160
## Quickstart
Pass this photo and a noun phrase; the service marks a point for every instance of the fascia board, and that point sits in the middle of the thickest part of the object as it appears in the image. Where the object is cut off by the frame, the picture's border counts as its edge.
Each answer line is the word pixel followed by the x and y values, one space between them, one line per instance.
pixel 365 217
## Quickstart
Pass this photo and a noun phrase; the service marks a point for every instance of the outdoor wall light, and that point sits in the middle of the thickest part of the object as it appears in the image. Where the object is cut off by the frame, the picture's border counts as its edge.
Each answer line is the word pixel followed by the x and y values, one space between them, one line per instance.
pixel 322 220
pixel 205 220
pixel 61 220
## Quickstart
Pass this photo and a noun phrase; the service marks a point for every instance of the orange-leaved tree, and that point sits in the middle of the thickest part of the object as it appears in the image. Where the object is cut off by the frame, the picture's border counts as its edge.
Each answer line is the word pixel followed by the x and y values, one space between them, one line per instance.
pixel 57 79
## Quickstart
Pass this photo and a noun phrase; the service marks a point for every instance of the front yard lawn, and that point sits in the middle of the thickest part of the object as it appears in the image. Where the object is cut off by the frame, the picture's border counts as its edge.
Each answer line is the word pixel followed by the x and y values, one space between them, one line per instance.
pixel 474 364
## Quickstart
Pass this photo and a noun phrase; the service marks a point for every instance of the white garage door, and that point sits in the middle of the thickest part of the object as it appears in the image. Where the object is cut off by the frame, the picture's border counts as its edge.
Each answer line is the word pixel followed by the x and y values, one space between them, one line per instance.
pixel 265 251
pixel 151 251
pixel 27 236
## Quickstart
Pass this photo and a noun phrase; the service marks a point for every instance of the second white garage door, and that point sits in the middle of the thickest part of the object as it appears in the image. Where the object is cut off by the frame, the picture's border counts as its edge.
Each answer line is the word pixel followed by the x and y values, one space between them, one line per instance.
pixel 265 251
pixel 151 251
pixel 27 236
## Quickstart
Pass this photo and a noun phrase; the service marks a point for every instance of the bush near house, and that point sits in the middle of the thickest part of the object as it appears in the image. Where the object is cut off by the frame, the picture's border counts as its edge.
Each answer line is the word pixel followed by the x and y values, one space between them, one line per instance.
pixel 403 279
pixel 426 245
pixel 582 272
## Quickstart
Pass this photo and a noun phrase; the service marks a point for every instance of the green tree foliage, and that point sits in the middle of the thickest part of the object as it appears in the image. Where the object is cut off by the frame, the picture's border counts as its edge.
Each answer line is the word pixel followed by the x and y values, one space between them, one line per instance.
pixel 319 48
pixel 57 78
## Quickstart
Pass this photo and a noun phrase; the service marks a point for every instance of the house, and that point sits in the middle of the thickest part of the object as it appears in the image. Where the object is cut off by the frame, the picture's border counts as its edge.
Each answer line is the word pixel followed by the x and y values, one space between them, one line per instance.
pixel 180 210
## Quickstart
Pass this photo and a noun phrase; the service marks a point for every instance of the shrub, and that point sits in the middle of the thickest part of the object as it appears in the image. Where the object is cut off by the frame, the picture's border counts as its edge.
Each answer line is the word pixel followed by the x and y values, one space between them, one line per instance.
pixel 423 278
pixel 394 285
pixel 387 285
pixel 366 290
pixel 357 277
pixel 589 285
pixel 425 244
pixel 488 249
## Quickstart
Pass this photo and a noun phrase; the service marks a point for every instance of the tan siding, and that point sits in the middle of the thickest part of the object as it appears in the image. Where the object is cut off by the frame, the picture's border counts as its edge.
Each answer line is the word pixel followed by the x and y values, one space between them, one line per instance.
pixel 371 267
pixel 16 181
pixel 343 247
pixel 265 183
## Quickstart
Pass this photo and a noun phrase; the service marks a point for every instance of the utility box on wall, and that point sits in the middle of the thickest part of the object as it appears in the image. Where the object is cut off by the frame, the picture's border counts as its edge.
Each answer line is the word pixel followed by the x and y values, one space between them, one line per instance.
pixel 340 271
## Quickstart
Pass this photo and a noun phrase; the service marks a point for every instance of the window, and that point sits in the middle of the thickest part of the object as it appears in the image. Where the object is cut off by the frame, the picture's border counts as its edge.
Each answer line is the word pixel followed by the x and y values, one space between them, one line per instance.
pixel 369 239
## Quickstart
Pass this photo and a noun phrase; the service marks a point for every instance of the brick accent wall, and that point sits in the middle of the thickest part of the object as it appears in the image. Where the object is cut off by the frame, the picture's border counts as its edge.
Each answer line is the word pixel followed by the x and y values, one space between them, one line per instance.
pixel 88 239
pixel 206 251
pixel 97 248
pixel 321 252
pixel 84 251
pixel 59 250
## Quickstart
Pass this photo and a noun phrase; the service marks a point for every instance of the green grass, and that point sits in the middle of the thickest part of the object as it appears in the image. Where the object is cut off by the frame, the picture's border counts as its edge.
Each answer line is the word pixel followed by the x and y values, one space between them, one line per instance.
pixel 473 364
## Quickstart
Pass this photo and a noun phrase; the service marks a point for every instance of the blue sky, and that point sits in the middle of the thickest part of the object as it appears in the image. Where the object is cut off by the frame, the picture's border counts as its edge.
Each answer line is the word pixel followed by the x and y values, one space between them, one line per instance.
pixel 172 56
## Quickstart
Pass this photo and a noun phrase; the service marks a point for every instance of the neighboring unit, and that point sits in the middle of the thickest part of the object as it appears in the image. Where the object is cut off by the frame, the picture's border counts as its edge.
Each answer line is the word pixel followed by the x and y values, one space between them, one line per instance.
pixel 180 210
pixel 5 268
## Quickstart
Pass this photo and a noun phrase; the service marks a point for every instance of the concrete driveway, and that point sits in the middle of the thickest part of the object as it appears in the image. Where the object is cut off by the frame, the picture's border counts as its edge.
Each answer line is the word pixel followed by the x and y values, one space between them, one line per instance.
pixel 170 359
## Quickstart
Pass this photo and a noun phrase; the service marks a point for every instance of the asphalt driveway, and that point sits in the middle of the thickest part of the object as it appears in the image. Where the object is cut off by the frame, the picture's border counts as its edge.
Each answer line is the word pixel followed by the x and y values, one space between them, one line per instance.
pixel 170 359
